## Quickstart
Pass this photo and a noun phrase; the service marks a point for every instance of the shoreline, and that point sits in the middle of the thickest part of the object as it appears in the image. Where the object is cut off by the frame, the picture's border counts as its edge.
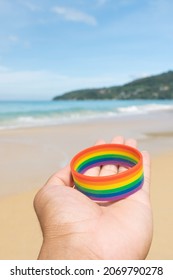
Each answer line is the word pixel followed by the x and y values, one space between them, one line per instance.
pixel 83 119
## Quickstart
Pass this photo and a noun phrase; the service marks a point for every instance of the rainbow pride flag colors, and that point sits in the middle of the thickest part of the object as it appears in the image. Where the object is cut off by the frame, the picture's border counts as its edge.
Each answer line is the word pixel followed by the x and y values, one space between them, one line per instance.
pixel 113 187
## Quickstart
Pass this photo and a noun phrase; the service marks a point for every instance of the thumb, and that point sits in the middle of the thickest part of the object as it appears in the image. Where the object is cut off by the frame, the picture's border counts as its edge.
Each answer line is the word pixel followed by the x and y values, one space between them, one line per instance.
pixel 45 201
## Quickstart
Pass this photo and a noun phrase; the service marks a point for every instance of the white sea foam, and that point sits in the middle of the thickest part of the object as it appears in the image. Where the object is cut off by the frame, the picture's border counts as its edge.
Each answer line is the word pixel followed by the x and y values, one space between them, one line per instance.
pixel 158 107
pixel 144 109
pixel 130 110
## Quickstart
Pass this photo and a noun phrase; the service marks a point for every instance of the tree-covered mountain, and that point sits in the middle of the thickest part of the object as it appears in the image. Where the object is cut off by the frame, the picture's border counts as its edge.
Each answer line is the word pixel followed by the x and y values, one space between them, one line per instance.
pixel 153 87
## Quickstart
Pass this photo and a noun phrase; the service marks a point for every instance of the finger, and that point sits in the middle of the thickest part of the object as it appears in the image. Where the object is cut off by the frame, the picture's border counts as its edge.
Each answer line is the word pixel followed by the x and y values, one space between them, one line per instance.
pixel 63 177
pixel 132 143
pixel 111 169
pixel 147 171
pixel 94 171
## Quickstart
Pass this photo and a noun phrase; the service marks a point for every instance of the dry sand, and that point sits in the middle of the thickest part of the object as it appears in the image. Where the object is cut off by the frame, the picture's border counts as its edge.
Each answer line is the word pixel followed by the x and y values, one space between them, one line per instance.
pixel 30 156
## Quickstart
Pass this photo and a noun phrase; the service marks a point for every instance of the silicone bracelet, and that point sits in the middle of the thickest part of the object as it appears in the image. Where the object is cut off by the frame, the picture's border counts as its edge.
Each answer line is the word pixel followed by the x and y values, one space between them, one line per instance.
pixel 112 187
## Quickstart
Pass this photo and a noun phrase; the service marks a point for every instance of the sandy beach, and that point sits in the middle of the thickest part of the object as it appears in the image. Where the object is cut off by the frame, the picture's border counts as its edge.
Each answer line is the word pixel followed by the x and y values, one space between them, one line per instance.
pixel 29 156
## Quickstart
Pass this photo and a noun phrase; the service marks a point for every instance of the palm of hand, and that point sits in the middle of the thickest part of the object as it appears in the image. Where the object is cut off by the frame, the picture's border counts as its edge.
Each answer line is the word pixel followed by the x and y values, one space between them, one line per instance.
pixel 120 230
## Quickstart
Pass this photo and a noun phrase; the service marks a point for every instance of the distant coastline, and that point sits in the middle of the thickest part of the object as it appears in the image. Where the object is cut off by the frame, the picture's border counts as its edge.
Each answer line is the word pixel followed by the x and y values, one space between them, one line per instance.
pixel 153 87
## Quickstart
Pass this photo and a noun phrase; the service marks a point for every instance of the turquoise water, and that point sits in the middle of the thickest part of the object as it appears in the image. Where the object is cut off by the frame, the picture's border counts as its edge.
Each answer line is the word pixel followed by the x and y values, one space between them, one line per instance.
pixel 15 114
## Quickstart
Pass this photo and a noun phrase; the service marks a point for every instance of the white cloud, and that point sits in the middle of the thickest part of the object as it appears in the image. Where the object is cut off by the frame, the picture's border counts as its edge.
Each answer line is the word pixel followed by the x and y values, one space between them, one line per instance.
pixel 3 69
pixel 5 6
pixel 101 2
pixel 71 14
pixel 13 38
pixel 45 84
pixel 28 84
pixel 139 76
pixel 32 7
pixel 9 41
pixel 127 2
pixel 118 2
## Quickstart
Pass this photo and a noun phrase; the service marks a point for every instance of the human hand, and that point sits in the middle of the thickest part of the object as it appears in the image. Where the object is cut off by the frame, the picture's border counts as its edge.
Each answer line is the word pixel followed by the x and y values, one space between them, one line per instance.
pixel 75 227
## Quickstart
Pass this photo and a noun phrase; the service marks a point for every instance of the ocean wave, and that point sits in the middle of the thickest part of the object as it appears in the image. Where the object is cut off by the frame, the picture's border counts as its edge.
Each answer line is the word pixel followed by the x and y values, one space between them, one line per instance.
pixel 158 107
pixel 79 112
pixel 144 109
pixel 130 110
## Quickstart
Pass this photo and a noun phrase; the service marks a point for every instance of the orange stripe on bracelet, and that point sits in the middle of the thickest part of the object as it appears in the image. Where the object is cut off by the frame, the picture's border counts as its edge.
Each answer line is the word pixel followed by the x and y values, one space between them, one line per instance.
pixel 113 187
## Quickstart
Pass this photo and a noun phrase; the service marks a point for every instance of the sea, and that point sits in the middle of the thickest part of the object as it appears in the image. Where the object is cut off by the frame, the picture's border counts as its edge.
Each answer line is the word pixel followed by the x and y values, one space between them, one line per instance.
pixel 23 114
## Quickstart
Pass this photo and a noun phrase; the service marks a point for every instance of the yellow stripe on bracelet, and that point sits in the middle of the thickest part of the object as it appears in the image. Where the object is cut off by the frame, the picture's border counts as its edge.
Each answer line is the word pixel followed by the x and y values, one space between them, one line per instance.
pixel 113 187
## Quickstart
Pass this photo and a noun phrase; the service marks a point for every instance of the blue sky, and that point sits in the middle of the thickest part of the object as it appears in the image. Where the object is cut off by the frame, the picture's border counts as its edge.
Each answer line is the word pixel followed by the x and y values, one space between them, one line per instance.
pixel 50 47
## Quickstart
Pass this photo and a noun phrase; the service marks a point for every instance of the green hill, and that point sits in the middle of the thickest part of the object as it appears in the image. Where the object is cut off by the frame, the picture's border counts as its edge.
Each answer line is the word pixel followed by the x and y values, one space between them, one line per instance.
pixel 153 87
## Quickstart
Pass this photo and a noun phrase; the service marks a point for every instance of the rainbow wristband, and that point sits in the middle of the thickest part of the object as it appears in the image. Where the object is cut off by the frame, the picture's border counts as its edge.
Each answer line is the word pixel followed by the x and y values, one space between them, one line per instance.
pixel 113 187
